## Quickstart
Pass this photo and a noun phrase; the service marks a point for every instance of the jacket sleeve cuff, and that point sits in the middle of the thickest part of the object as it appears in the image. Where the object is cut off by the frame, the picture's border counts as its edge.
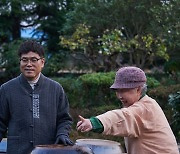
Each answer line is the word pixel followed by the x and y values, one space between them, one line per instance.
pixel 97 125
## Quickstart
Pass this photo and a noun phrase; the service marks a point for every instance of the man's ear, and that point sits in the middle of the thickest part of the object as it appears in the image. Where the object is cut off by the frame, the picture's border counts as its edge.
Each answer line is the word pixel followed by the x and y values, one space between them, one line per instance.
pixel 43 61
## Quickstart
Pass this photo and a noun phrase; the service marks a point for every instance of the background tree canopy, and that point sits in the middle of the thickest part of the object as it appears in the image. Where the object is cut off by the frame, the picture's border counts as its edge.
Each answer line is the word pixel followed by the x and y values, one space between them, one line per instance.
pixel 101 35
pixel 98 36
pixel 122 32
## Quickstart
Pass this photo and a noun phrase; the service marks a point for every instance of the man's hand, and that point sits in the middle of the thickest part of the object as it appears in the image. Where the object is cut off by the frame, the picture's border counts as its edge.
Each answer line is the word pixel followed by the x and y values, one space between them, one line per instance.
pixel 84 125
pixel 63 139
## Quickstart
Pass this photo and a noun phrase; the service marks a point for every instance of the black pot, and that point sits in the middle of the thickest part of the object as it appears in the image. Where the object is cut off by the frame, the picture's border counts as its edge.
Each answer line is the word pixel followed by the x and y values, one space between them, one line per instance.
pixel 61 149
pixel 99 146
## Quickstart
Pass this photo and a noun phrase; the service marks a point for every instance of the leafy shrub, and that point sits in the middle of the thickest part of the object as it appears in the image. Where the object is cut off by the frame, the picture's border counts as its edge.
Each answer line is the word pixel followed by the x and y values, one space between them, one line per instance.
pixel 96 79
pixel 93 90
pixel 172 66
pixel 174 102
pixel 90 90
pixel 152 82
pixel 54 63
pixel 96 89
pixel 161 93
pixel 73 89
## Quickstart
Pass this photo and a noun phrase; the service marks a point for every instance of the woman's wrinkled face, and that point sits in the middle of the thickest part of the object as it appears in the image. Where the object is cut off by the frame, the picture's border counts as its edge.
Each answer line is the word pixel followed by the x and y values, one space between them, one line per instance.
pixel 128 96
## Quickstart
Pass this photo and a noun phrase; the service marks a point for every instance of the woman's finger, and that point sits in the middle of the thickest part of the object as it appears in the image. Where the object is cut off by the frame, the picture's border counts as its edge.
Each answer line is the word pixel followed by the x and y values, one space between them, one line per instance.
pixel 81 118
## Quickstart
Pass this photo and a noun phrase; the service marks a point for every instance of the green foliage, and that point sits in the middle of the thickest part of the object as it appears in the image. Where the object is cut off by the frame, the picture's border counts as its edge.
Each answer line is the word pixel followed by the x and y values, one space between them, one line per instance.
pixel 142 48
pixel 174 102
pixel 166 23
pixel 54 62
pixel 152 82
pixel 172 66
pixel 154 46
pixel 128 30
pixel 51 17
pixel 97 89
pixel 73 88
pixel 9 59
pixel 149 20
pixel 112 41
pixel 135 29
pixel 46 17
pixel 90 90
pixel 93 89
pixel 162 92
pixel 97 79
pixel 79 39
pixel 51 66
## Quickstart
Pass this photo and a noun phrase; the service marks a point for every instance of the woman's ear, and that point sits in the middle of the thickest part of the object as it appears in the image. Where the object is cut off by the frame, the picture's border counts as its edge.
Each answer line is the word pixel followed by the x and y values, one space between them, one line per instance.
pixel 139 90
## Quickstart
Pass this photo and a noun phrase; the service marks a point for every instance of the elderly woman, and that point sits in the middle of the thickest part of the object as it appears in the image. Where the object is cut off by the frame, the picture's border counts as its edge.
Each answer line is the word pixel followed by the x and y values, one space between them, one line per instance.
pixel 141 121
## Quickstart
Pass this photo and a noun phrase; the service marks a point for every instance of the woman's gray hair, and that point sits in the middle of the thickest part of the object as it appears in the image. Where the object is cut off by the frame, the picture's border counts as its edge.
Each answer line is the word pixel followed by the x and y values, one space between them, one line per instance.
pixel 143 89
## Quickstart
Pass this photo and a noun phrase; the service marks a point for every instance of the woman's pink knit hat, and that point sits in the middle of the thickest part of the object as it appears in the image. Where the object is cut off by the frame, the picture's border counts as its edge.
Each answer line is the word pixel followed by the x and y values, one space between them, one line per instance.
pixel 129 77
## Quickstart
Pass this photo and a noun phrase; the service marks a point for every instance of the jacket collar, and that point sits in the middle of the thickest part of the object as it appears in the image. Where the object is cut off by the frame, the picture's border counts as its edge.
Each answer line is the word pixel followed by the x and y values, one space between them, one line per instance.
pixel 25 83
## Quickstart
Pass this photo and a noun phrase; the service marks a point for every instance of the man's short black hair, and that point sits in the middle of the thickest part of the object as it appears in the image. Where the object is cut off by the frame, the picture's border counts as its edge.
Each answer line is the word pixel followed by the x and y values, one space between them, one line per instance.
pixel 31 45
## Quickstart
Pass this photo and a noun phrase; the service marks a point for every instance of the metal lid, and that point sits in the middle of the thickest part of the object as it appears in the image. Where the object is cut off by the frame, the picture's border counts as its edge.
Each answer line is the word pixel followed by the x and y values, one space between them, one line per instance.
pixel 98 142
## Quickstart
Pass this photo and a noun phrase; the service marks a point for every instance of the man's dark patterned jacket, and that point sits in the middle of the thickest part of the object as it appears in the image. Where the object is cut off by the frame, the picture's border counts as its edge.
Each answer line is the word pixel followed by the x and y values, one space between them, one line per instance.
pixel 33 117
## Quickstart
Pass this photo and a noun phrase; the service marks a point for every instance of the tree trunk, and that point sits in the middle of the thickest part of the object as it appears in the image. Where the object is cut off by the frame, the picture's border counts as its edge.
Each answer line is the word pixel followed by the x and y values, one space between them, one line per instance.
pixel 16 20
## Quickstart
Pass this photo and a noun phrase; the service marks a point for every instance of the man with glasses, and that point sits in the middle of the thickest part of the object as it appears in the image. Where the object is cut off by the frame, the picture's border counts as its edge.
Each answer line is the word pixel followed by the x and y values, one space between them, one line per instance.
pixel 33 108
